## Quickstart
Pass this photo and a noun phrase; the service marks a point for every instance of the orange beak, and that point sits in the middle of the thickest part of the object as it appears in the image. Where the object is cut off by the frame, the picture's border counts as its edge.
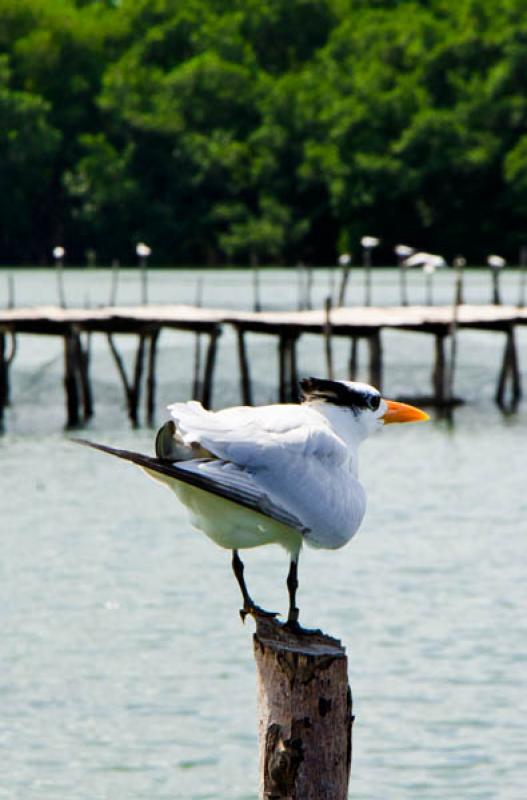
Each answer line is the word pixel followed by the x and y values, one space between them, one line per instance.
pixel 401 412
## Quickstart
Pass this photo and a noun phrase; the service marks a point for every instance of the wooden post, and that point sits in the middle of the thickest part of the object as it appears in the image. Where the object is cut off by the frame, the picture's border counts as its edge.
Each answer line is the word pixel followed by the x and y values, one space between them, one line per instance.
pixel 509 369
pixel 257 303
pixel 367 275
pixel 403 283
pixel 496 295
pixel 354 359
pixel 282 367
pixel 245 374
pixel 293 369
pixel 344 284
pixel 59 272
pixel 71 380
pixel 210 363
pixel 327 339
pixel 144 280
pixel 132 390
pixel 83 368
pixel 309 287
pixel 8 360
pixel 429 288
pixel 151 377
pixel 135 389
pixel 305 714
pixel 197 388
pixel 458 299
pixel 439 373
pixel 3 379
pixel 10 291
pixel 375 348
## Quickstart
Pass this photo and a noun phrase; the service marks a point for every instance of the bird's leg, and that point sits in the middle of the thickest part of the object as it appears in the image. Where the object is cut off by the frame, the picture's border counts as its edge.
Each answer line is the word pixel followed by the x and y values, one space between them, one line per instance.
pixel 249 606
pixel 292 586
pixel 292 623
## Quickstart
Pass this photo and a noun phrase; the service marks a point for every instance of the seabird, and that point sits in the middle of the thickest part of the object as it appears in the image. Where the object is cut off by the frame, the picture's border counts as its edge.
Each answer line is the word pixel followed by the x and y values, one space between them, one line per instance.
pixel 278 474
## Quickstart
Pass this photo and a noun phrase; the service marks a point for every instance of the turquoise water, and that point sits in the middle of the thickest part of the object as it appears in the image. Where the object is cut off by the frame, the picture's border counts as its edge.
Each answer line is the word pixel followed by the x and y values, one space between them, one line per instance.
pixel 125 670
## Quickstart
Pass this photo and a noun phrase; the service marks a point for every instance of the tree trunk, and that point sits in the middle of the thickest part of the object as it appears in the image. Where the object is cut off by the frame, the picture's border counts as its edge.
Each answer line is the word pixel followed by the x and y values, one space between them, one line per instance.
pixel 305 713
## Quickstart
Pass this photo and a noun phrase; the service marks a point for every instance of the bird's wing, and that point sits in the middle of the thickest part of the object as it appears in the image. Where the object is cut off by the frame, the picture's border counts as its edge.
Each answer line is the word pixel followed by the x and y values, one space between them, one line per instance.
pixel 260 438
pixel 294 458
pixel 218 477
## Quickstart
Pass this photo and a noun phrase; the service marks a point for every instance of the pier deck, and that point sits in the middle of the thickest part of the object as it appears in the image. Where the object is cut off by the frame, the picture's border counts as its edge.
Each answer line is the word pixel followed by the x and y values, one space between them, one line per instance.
pixel 146 322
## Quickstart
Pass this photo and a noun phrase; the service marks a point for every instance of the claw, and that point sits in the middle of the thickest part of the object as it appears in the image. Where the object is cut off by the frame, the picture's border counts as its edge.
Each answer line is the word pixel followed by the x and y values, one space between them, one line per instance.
pixel 256 611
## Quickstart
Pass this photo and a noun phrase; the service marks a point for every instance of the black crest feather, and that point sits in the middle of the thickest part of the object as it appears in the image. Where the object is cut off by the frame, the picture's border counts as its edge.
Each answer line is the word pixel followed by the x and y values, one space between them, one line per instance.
pixel 334 392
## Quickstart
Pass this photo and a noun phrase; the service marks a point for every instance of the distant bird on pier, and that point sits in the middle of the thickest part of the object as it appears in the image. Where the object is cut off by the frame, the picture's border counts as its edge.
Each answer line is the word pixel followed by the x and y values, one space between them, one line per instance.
pixel 278 474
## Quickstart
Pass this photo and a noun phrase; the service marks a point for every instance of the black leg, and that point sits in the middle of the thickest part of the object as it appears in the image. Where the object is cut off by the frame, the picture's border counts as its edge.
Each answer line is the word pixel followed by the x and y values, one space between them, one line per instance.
pixel 249 606
pixel 238 568
pixel 292 586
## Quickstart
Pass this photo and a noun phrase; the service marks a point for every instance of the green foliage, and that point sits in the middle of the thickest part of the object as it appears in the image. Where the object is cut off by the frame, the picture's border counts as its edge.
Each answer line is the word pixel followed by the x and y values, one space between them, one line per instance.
pixel 281 130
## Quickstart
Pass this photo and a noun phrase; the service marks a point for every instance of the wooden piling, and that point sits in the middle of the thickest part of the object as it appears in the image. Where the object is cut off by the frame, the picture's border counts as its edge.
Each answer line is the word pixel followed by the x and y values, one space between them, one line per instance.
pixel 509 372
pixel 328 345
pixel 367 275
pixel 132 389
pixel 82 364
pixel 71 384
pixel 309 287
pixel 245 374
pixel 197 388
pixel 439 371
pixel 305 714
pixel 151 376
pixel 375 351
pixel 496 294
pixel 403 282
pixel 353 367
pixel 293 369
pixel 282 367
pixel 210 363
pixel 344 278
pixel 3 378
pixel 257 303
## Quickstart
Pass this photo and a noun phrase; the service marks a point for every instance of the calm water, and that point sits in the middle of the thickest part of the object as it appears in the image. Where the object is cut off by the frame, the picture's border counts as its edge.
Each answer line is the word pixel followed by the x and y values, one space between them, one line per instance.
pixel 125 670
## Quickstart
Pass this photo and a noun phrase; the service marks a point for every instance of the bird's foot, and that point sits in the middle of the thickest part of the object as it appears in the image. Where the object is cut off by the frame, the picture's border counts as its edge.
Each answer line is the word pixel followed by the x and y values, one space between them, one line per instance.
pixel 256 611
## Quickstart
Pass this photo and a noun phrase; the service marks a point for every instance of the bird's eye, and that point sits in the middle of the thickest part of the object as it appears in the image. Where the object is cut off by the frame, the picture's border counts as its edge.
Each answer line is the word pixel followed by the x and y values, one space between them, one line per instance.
pixel 374 402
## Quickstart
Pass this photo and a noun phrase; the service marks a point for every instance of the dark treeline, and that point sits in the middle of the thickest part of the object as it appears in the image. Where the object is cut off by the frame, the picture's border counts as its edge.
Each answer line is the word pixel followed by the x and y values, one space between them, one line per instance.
pixel 223 130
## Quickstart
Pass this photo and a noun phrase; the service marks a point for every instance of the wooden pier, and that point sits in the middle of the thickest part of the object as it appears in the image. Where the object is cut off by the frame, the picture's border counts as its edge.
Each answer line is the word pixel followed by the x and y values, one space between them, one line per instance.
pixel 76 325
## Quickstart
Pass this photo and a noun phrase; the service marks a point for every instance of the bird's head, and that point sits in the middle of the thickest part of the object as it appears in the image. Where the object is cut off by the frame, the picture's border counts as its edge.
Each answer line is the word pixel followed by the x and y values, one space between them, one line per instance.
pixel 368 409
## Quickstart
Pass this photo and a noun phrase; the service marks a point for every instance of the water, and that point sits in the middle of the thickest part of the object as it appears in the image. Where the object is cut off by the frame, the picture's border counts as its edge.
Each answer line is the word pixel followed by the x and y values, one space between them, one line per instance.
pixel 125 671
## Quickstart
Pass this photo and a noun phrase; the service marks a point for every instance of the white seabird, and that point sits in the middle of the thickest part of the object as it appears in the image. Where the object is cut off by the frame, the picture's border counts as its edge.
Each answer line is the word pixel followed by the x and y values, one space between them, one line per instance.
pixel 278 474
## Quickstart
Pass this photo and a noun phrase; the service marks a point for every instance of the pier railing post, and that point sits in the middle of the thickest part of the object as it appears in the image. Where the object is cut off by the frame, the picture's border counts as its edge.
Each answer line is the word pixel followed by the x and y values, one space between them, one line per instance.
pixel 305 714
pixel 245 374
pixel 3 378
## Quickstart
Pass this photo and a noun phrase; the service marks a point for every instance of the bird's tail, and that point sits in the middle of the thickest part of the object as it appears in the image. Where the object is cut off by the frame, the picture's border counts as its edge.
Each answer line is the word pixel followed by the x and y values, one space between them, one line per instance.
pixel 147 462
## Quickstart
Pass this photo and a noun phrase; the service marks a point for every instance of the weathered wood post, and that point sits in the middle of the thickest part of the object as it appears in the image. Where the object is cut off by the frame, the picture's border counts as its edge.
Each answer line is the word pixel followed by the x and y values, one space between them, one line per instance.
pixel 245 373
pixel 71 384
pixel 375 348
pixel 151 376
pixel 328 345
pixel 3 378
pixel 305 714
pixel 509 371
pixel 257 303
pixel 210 363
